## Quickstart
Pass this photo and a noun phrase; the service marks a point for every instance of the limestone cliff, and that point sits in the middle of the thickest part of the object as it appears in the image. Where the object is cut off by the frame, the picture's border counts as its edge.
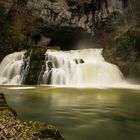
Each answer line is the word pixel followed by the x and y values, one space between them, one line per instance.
pixel 75 13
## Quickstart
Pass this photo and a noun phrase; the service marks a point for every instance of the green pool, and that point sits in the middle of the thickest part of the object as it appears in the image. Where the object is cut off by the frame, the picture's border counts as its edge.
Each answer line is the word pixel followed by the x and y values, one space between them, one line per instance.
pixel 81 113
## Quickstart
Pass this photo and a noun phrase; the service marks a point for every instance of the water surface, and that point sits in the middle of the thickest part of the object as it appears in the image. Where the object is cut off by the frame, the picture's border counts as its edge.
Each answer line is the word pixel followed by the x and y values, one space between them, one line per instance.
pixel 81 114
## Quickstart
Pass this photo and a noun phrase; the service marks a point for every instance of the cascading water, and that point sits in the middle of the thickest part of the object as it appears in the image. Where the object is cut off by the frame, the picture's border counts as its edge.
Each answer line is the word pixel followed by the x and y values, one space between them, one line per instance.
pixel 78 67
pixel 75 67
pixel 11 71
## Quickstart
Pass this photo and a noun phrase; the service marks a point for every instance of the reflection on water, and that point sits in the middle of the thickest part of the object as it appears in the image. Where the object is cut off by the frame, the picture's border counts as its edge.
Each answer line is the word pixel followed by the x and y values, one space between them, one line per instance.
pixel 81 114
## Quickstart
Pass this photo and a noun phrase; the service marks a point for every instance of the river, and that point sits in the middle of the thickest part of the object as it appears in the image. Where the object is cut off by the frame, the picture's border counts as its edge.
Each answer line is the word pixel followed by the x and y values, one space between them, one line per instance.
pixel 80 113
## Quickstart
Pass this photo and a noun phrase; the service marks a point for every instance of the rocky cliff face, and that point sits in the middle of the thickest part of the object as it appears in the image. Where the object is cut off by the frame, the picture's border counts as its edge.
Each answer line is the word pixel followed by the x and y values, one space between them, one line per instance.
pixel 82 13
pixel 64 21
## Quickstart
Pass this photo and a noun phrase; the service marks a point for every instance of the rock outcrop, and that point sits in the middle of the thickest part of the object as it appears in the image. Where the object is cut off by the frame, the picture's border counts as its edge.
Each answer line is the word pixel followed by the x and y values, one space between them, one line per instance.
pixel 81 13
pixel 65 22
pixel 13 129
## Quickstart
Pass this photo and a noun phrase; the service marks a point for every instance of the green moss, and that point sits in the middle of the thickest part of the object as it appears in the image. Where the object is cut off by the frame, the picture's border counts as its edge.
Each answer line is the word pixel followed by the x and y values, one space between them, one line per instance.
pixel 108 24
pixel 37 57
pixel 129 40
pixel 126 36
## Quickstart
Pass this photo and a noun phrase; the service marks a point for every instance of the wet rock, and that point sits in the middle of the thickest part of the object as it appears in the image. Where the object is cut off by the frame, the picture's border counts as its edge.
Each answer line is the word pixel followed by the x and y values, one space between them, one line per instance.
pixel 37 58
pixel 79 61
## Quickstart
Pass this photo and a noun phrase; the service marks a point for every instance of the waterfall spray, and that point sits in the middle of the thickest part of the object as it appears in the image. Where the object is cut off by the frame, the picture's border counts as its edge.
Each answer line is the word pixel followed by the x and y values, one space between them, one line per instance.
pixel 76 67
pixel 11 68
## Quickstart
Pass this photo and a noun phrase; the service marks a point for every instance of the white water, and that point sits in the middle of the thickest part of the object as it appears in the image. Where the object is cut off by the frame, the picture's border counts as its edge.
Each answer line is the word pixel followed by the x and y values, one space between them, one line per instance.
pixel 66 68
pixel 10 69
pixel 85 67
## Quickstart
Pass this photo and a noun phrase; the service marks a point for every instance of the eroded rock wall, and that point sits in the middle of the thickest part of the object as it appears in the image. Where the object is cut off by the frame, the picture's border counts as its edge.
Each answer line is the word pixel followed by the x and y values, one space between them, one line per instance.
pixel 82 13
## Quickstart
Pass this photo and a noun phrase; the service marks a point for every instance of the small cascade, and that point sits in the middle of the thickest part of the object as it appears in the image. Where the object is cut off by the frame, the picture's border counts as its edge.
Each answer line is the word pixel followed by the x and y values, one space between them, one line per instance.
pixel 76 67
pixel 11 69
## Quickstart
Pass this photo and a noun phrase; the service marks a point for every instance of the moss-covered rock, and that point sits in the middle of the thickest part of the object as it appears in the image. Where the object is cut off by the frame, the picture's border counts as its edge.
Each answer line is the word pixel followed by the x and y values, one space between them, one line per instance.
pixel 12 128
pixel 123 50
pixel 37 57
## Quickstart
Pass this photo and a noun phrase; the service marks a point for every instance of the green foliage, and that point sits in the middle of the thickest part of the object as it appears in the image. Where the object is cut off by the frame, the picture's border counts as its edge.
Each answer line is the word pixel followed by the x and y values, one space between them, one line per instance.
pixel 128 40
pixel 126 37
pixel 105 25
pixel 108 24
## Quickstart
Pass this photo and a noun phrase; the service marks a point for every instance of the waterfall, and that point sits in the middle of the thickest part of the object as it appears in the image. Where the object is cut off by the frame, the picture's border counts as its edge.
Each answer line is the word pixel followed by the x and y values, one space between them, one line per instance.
pixel 76 67
pixel 11 69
